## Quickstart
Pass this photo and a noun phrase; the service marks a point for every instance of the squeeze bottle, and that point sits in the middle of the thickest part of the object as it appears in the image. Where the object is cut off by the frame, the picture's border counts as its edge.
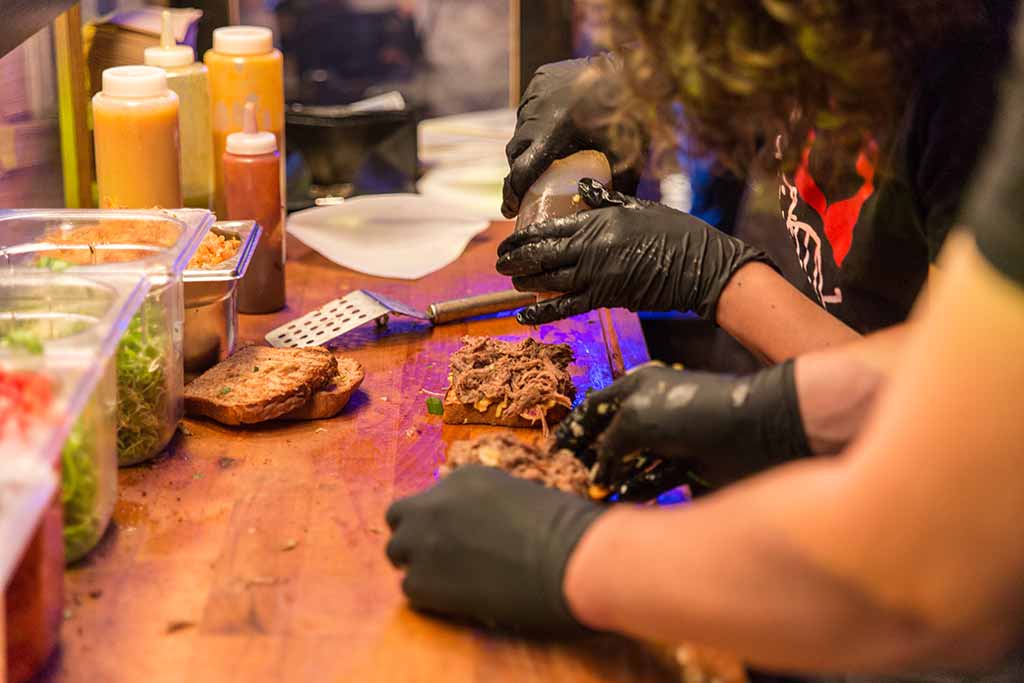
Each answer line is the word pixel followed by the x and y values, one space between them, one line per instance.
pixel 556 193
pixel 188 80
pixel 243 67
pixel 252 191
pixel 135 128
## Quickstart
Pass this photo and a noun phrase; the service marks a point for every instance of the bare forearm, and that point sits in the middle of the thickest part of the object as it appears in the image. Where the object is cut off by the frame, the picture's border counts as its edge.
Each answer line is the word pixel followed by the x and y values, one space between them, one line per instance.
pixel 868 562
pixel 838 387
pixel 731 578
pixel 773 320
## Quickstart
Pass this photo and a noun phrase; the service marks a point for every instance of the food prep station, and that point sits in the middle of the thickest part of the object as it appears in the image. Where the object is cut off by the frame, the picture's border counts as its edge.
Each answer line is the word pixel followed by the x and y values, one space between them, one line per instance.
pixel 144 545
pixel 259 552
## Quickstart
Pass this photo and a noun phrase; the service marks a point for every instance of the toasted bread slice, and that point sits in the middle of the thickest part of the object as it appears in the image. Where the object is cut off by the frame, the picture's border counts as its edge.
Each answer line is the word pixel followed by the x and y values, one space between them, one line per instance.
pixel 333 398
pixel 260 383
pixel 458 413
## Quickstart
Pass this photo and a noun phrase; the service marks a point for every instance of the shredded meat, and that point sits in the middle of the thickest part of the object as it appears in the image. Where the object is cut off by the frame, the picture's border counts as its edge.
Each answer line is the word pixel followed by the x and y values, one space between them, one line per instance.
pixel 526 376
pixel 555 469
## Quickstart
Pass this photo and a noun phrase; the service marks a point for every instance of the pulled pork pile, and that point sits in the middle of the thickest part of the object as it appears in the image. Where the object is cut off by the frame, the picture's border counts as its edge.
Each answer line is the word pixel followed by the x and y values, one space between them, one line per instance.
pixel 558 470
pixel 525 378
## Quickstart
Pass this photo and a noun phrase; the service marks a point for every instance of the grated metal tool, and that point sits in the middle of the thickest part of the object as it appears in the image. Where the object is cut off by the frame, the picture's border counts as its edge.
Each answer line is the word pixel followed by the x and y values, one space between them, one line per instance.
pixel 357 308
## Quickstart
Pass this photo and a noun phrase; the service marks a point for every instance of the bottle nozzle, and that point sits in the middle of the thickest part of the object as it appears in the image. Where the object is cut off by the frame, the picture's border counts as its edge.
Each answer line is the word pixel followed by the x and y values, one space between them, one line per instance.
pixel 169 55
pixel 167 30
pixel 249 118
pixel 250 140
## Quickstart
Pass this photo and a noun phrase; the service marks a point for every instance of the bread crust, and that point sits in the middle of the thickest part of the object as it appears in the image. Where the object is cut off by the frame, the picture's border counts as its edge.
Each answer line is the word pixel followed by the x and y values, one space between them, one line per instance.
pixel 458 413
pixel 332 399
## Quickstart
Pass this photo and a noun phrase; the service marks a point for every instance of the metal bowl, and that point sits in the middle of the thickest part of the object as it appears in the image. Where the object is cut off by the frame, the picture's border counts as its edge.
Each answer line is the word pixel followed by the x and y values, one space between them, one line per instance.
pixel 211 301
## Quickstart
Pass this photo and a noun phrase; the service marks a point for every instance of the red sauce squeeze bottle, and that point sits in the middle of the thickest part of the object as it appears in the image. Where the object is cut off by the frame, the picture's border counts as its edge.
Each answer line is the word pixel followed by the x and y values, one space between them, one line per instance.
pixel 252 191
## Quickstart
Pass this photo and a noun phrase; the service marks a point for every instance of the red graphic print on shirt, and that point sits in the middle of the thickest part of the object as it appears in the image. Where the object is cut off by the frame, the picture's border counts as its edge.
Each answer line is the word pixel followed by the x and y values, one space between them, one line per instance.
pixel 839 218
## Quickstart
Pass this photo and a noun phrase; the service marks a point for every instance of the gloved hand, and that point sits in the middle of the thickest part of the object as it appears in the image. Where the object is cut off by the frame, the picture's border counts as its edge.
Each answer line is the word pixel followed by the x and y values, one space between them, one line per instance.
pixel 557 119
pixel 625 252
pixel 483 546
pixel 724 427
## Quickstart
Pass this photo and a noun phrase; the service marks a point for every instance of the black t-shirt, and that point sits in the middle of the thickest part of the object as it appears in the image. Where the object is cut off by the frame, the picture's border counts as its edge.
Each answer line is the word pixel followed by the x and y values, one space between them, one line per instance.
pixel 995 207
pixel 866 234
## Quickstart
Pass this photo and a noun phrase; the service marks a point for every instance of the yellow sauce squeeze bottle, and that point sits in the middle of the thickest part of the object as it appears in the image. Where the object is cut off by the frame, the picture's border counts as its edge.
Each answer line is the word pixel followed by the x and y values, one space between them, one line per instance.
pixel 189 81
pixel 135 128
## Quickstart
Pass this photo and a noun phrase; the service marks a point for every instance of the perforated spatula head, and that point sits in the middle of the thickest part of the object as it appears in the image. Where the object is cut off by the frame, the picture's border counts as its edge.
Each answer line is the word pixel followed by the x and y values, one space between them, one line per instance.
pixel 337 317
pixel 360 307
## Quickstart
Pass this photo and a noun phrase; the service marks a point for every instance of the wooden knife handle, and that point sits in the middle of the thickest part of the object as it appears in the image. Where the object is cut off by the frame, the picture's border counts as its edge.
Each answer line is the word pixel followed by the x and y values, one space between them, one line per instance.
pixel 474 306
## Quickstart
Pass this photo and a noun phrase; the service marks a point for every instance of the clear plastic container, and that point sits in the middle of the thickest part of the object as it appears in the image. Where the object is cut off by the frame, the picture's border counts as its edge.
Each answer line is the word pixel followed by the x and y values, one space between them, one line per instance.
pixel 44 397
pixel 33 564
pixel 67 322
pixel 112 244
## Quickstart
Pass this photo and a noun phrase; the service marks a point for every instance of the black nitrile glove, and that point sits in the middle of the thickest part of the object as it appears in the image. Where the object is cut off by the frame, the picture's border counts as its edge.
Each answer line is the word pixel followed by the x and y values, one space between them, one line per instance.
pixel 484 546
pixel 623 253
pixel 724 427
pixel 557 119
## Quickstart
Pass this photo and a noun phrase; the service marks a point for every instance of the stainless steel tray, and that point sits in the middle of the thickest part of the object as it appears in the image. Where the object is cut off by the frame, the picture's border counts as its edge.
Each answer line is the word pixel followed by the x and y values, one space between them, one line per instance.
pixel 211 301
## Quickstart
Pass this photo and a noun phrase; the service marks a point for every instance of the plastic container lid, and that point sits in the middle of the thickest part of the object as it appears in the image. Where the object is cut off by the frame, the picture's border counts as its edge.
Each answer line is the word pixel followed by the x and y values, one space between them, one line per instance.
pixel 134 81
pixel 158 243
pixel 243 40
pixel 251 141
pixel 169 55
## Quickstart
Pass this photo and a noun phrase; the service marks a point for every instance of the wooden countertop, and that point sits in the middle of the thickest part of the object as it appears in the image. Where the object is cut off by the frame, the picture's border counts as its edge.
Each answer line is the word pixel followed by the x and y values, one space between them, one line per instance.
pixel 258 554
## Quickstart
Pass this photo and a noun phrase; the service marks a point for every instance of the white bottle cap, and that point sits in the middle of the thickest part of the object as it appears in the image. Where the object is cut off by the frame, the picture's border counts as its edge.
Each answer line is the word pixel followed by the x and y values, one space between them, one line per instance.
pixel 251 142
pixel 134 81
pixel 243 40
pixel 169 55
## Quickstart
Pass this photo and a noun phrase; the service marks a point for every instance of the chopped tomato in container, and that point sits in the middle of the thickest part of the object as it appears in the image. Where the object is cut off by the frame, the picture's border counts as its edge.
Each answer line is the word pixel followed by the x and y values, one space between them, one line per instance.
pixel 25 401
pixel 34 595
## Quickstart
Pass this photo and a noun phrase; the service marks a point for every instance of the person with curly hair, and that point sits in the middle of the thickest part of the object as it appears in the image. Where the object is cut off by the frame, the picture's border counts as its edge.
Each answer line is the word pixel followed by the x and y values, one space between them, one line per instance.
pixel 899 555
pixel 872 114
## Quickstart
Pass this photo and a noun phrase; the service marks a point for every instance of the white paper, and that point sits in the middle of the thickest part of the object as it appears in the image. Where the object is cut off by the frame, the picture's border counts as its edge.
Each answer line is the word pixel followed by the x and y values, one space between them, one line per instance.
pixel 403 236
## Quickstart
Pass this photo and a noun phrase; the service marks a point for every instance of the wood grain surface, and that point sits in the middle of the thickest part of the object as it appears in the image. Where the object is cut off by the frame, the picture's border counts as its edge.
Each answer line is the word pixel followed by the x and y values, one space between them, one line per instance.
pixel 258 554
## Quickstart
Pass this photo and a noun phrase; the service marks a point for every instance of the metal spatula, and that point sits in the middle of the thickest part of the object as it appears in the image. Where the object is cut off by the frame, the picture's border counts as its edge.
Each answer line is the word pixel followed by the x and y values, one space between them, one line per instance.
pixel 357 308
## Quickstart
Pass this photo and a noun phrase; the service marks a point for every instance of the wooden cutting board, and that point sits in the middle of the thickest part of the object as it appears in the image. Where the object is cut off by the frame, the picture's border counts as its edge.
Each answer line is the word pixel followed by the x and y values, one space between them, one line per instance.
pixel 258 554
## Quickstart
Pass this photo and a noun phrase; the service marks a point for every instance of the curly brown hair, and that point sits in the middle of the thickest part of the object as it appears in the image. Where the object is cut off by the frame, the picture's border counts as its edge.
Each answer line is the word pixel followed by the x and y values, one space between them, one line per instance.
pixel 723 77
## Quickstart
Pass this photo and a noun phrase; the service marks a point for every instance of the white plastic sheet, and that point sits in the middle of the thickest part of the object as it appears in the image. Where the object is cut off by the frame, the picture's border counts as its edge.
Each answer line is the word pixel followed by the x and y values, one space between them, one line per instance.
pixel 403 236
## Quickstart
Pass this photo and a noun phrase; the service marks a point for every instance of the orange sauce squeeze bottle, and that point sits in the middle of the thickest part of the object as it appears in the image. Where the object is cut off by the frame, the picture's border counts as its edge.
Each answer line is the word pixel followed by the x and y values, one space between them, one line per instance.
pixel 243 67
pixel 135 128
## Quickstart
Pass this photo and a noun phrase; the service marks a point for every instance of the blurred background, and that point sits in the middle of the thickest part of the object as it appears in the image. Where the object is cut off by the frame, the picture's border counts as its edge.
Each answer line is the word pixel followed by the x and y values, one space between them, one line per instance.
pixel 447 75
pixel 444 57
